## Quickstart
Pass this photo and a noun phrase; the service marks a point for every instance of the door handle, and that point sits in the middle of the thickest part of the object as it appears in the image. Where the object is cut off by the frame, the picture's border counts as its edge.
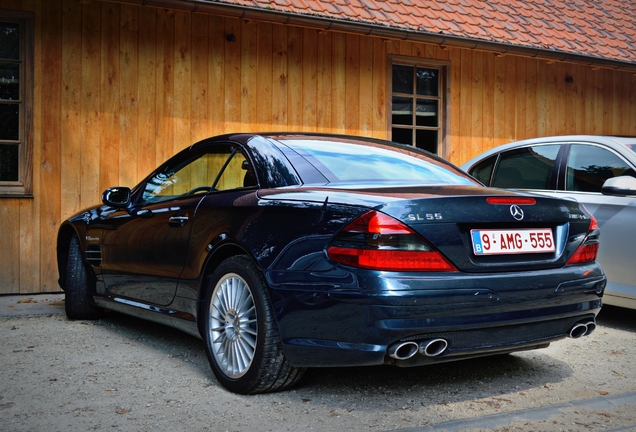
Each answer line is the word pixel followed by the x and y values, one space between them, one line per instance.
pixel 177 221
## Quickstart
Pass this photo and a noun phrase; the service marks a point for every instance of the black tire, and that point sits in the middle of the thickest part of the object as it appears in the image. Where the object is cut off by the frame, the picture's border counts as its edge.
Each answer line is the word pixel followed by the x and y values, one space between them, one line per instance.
pixel 241 335
pixel 78 286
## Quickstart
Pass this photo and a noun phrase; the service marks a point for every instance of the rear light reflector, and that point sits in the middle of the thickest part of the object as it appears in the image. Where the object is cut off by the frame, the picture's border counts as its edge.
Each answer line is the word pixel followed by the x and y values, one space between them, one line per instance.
pixel 511 200
pixel 379 242
pixel 584 253
pixel 588 249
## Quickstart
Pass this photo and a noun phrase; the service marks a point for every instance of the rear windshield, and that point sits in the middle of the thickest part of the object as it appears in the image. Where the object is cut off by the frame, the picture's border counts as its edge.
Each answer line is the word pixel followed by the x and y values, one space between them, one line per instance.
pixel 351 162
pixel 631 146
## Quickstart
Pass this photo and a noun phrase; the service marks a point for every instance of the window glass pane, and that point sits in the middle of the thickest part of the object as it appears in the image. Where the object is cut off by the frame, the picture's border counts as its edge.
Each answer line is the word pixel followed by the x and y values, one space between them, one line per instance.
pixel 402 111
pixel 9 122
pixel 189 177
pixel 350 162
pixel 426 140
pixel 589 167
pixel 402 136
pixel 427 82
pixel 526 168
pixel 9 41
pixel 9 81
pixel 236 174
pixel 402 79
pixel 9 155
pixel 483 170
pixel 426 111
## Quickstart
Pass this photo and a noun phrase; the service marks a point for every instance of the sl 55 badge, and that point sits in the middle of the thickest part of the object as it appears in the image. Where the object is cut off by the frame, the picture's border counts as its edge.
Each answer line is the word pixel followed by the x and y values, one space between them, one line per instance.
pixel 424 217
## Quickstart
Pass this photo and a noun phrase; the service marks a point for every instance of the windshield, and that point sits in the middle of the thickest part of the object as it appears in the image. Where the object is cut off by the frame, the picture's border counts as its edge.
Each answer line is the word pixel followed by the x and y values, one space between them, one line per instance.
pixel 344 161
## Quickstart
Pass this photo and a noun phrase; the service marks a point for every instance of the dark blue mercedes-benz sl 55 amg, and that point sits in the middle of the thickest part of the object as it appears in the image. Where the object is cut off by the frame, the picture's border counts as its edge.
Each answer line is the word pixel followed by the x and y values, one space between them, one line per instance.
pixel 288 251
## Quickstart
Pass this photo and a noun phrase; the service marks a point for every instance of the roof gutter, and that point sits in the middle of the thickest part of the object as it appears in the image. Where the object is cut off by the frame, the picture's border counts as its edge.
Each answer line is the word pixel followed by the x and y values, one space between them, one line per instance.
pixel 366 29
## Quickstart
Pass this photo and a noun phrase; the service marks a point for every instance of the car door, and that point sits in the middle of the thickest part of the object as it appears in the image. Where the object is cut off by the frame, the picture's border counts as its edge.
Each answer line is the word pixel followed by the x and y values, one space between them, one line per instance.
pixel 145 245
pixel 588 166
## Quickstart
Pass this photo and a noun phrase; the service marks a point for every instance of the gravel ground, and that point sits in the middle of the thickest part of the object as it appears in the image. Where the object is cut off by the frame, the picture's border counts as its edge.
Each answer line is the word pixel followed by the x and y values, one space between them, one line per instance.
pixel 121 373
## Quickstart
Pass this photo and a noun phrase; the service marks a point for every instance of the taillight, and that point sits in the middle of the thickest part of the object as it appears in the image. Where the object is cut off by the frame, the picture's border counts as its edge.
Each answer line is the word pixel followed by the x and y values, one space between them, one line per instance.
pixel 588 249
pixel 379 242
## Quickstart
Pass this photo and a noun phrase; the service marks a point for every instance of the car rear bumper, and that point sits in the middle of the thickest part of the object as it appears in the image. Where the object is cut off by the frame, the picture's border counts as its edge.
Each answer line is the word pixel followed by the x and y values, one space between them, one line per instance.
pixel 349 324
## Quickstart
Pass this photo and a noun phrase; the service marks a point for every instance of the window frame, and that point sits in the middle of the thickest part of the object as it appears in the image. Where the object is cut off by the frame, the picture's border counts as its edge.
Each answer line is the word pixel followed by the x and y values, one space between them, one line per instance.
pixel 23 187
pixel 443 97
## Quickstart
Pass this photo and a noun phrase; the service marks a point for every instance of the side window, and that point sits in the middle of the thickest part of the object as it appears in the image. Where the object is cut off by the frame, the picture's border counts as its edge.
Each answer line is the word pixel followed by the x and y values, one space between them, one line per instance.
pixel 238 173
pixel 222 168
pixel 483 170
pixel 589 166
pixel 526 168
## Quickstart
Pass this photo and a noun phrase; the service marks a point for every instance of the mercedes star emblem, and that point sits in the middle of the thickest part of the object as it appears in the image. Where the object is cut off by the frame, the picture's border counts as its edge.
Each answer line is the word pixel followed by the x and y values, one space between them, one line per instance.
pixel 516 212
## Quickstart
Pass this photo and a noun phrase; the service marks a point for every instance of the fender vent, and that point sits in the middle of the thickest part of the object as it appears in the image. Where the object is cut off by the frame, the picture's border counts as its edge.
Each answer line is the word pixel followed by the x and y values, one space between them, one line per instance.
pixel 94 255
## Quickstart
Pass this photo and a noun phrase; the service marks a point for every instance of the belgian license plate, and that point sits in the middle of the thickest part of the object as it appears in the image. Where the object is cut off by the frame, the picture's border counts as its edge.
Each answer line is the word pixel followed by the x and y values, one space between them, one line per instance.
pixel 513 241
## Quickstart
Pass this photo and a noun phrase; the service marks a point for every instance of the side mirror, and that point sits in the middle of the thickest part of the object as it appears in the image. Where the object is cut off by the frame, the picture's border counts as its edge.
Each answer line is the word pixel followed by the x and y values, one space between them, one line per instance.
pixel 118 196
pixel 620 186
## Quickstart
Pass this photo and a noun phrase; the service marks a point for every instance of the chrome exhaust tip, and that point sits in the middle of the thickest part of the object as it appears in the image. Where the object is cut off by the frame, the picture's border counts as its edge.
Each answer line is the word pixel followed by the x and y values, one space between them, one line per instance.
pixel 591 326
pixel 433 347
pixel 578 330
pixel 403 350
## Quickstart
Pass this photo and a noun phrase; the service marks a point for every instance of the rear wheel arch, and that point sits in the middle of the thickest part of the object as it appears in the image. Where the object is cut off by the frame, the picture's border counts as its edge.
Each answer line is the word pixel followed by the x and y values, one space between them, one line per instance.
pixel 241 332
pixel 214 260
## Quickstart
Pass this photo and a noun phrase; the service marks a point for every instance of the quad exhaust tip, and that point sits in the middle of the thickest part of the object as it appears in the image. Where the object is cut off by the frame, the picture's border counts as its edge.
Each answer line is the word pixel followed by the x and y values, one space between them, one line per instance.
pixel 433 347
pixel 428 348
pixel 403 350
pixel 582 329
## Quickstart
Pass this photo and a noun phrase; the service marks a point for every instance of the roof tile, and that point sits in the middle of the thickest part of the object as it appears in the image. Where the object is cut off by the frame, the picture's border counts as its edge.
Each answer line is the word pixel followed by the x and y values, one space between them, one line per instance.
pixel 597 28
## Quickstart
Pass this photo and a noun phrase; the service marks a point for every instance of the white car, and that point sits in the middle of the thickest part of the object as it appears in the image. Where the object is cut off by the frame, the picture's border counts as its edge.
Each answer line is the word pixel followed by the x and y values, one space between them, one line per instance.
pixel 598 171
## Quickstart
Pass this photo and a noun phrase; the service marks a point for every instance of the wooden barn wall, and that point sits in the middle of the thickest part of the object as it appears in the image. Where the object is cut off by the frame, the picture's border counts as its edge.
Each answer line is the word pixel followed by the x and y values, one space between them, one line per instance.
pixel 120 88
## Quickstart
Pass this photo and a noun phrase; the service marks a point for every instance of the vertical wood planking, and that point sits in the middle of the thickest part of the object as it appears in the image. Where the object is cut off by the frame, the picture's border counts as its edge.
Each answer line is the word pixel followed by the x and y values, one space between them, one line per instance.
pixel 109 101
pixel 531 100
pixel 521 107
pixel 249 77
pixel 295 78
pixel 216 75
pixel 323 82
pixel 380 90
pixel 9 266
pixel 50 175
pixel 338 82
pixel 165 86
pixel 488 106
pixel 309 71
pixel 71 163
pixel 147 91
pixel 232 74
pixel 90 137
pixel 29 215
pixel 366 87
pixel 455 86
pixel 551 111
pixel 477 111
pixel 466 103
pixel 352 84
pixel 279 77
pixel 265 81
pixel 199 123
pixel 510 100
pixel 182 81
pixel 129 119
